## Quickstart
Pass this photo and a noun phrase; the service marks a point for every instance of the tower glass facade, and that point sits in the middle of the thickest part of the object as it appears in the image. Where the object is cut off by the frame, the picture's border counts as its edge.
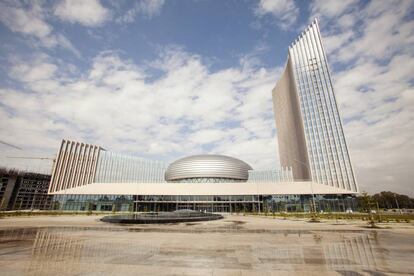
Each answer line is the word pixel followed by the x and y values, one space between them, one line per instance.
pixel 311 124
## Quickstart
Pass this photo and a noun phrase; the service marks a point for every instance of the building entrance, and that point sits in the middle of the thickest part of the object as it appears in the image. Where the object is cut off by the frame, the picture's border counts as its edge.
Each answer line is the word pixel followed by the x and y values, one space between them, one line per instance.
pixel 216 207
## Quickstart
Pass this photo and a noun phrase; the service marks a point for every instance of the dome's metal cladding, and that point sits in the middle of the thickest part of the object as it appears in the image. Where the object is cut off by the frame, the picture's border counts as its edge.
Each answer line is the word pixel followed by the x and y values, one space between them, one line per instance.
pixel 207 166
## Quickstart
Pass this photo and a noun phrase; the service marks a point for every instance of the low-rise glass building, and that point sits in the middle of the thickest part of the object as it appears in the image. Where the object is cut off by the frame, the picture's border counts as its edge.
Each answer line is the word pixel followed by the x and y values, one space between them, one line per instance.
pixel 88 178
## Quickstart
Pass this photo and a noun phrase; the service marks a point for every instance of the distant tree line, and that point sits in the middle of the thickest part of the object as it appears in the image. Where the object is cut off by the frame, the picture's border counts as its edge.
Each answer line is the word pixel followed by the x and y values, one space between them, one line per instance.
pixel 386 200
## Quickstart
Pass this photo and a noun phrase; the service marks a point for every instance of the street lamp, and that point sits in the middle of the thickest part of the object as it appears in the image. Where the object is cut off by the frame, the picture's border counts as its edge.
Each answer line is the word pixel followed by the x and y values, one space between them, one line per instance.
pixel 311 183
pixel 398 206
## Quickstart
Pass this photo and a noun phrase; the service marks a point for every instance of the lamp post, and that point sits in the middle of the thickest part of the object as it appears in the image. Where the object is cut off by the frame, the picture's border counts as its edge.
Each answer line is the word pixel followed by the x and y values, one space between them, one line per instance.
pixel 33 200
pixel 398 206
pixel 311 183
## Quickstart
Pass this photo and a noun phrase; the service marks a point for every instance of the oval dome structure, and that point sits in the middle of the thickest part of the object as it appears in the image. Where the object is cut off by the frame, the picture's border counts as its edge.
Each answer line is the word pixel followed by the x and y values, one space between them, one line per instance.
pixel 207 168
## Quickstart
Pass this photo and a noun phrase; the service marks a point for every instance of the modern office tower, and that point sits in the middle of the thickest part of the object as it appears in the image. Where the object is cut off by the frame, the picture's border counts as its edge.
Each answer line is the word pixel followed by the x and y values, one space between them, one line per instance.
pixel 310 133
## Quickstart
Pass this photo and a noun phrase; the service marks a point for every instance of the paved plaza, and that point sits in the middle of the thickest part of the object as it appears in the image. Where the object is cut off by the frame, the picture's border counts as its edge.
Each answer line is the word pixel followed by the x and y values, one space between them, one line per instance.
pixel 236 245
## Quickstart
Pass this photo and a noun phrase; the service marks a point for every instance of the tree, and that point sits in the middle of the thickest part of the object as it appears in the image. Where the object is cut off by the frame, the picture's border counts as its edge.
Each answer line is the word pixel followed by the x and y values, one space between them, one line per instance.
pixel 365 202
pixel 389 200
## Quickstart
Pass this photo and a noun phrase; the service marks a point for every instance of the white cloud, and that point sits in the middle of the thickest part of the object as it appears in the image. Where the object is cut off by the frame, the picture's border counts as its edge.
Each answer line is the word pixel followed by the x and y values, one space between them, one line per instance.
pixel 331 8
pixel 90 13
pixel 285 12
pixel 334 42
pixel 205 136
pixel 30 21
pixel 151 7
pixel 24 21
pixel 30 74
pixel 187 110
pixel 145 8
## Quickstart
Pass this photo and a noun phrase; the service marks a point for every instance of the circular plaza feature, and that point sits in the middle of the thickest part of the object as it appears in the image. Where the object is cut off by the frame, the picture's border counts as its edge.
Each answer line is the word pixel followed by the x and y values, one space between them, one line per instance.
pixel 163 217
pixel 208 168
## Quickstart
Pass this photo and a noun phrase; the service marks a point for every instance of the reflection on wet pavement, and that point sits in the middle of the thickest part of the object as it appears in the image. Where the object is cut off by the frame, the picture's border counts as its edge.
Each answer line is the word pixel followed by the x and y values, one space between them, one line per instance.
pixel 76 250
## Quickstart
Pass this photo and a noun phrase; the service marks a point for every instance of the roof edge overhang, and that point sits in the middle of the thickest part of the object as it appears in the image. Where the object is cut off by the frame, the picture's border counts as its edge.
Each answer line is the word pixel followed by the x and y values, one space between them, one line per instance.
pixel 236 188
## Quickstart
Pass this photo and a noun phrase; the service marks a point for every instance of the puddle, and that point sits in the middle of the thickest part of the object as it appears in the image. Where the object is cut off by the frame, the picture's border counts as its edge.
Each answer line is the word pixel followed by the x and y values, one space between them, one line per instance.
pixel 92 250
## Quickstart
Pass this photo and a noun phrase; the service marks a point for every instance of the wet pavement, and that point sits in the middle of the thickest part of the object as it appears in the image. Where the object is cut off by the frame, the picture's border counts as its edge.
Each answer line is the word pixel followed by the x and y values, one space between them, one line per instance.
pixel 236 245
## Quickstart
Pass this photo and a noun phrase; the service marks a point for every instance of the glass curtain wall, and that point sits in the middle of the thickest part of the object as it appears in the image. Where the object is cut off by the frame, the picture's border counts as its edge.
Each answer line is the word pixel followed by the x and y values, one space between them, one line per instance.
pixel 274 176
pixel 325 141
pixel 234 204
pixel 116 168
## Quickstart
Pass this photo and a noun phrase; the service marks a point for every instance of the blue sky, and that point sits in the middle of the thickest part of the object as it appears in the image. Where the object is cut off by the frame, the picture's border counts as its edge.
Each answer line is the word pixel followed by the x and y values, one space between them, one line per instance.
pixel 165 79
